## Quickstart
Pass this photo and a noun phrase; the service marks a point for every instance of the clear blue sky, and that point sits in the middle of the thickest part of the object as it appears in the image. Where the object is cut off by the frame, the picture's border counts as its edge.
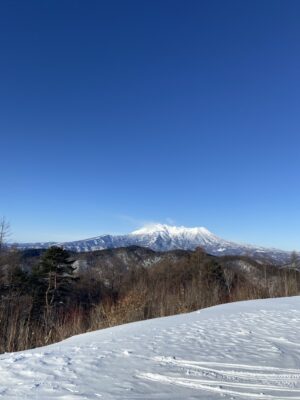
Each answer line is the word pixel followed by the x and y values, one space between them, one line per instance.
pixel 115 113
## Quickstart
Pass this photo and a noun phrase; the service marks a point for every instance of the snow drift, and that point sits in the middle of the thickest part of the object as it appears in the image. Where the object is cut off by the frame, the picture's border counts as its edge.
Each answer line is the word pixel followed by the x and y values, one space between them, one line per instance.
pixel 245 350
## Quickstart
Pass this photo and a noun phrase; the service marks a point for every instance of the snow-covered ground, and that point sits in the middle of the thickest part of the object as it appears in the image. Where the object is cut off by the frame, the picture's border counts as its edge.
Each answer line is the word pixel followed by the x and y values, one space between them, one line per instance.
pixel 246 350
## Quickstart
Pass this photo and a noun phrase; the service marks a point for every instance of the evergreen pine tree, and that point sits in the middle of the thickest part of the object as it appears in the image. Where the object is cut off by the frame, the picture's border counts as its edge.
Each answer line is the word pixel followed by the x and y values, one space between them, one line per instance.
pixel 56 271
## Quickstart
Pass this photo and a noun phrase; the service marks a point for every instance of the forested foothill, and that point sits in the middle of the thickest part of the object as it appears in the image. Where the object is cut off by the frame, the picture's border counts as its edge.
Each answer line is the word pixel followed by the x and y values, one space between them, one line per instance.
pixel 48 295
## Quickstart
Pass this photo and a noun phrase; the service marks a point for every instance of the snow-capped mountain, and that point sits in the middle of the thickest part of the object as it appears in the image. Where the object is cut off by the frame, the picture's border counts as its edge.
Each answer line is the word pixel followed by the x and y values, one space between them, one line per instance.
pixel 161 237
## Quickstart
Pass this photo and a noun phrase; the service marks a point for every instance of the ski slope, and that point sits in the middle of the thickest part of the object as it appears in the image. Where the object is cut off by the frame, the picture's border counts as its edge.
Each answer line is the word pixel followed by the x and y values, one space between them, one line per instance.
pixel 246 350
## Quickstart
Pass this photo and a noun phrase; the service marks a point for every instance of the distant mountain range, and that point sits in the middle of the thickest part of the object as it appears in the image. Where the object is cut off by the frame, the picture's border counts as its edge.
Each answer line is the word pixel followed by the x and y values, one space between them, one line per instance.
pixel 160 237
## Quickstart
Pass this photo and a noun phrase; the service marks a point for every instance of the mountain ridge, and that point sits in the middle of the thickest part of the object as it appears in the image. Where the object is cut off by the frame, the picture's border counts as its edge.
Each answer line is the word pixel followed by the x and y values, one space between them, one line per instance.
pixel 162 237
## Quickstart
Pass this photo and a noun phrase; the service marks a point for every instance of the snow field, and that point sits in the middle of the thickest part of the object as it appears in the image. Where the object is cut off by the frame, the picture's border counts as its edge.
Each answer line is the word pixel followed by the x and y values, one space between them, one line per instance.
pixel 245 350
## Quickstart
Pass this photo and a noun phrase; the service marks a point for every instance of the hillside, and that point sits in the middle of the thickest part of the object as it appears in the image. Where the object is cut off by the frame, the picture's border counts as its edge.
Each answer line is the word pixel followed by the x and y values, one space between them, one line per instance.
pixel 92 290
pixel 121 263
pixel 244 350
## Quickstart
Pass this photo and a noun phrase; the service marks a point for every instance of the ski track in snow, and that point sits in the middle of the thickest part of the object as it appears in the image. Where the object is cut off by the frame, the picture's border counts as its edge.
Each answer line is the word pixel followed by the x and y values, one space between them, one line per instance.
pixel 246 350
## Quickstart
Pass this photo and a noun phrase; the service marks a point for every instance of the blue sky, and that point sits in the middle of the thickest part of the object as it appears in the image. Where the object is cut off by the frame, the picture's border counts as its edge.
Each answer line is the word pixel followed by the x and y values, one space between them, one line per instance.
pixel 117 113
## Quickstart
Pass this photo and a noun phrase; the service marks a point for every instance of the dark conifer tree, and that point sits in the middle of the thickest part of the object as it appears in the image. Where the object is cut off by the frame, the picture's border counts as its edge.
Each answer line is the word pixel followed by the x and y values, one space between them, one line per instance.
pixel 56 271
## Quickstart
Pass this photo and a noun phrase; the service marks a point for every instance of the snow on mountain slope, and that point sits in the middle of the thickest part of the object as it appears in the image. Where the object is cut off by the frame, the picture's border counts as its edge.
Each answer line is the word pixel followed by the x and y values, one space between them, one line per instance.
pixel 245 350
pixel 160 237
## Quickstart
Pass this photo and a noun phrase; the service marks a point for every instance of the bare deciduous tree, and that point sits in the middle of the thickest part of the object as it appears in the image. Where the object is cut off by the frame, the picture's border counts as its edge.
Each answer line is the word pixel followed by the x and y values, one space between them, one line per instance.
pixel 295 260
pixel 4 232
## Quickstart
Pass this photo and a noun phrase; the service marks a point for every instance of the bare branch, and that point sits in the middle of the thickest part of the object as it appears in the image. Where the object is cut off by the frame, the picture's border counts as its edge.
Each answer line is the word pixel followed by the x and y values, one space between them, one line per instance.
pixel 4 232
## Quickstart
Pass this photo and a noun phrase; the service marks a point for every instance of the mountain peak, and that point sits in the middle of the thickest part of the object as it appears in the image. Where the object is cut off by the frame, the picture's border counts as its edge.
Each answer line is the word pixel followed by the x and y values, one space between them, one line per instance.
pixel 171 230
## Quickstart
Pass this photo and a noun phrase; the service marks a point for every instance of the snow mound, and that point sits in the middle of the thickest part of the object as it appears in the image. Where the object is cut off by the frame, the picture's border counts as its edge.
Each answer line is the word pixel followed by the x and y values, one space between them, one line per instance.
pixel 245 350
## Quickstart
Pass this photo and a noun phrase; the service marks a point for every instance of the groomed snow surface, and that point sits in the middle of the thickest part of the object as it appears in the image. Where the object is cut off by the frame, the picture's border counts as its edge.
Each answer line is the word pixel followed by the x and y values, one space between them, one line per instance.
pixel 246 350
